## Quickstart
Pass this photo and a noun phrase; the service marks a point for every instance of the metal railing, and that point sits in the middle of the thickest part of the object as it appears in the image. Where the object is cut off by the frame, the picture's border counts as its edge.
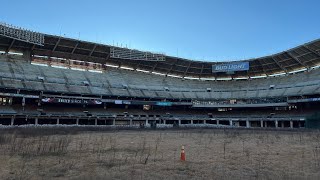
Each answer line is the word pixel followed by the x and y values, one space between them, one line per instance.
pixel 21 34
pixel 132 54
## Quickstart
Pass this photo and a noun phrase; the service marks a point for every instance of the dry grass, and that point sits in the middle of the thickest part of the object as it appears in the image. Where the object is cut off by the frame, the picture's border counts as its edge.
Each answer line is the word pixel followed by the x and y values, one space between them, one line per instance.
pixel 53 153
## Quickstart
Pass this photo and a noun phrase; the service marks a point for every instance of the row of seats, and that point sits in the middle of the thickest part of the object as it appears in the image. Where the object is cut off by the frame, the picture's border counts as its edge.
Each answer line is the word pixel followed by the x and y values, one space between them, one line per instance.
pixel 19 74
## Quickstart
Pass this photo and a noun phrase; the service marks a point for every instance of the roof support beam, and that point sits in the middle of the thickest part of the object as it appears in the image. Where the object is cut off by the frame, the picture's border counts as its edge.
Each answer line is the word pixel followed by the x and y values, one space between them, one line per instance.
pixel 185 72
pixel 55 46
pixel 315 52
pixel 10 46
pixel 75 47
pixel 298 60
pixel 154 67
pixel 263 69
pixel 137 66
pixel 108 57
pixel 172 66
pixel 202 67
pixel 281 67
pixel 94 47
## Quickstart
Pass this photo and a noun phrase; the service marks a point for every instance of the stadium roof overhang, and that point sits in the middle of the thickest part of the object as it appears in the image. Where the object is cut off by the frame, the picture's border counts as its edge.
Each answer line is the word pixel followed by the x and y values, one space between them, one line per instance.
pixel 301 57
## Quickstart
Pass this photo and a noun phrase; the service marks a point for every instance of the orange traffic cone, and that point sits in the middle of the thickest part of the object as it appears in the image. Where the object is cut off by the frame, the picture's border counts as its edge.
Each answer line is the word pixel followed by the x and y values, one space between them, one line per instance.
pixel 183 154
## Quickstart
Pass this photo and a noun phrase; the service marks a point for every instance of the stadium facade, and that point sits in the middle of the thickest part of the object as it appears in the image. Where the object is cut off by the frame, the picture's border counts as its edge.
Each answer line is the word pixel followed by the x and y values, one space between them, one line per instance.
pixel 47 79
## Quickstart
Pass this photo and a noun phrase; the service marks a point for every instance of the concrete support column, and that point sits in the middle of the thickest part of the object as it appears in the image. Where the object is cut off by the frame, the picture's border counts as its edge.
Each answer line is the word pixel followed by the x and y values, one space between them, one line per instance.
pixel 261 123
pixel 291 124
pixel 114 122
pixel 96 122
pixel 131 122
pixel 247 123
pixel 204 121
pixel 191 121
pixel 77 121
pixel 164 122
pixel 12 121
pixel 58 121
pixel 218 122
pixel 27 55
pixel 230 123
pixel 276 123
pixel 36 121
pixel 179 122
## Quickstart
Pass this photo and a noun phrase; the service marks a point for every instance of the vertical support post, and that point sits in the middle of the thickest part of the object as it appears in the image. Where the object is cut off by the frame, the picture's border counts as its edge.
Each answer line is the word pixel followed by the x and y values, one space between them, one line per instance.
pixel 77 121
pixel 27 55
pixel 247 124
pixel 282 124
pixel 164 122
pixel 291 124
pixel 179 122
pixel 230 123
pixel 261 123
pixel 114 122
pixel 58 121
pixel 96 121
pixel 191 121
pixel 12 121
pixel 276 123
pixel 36 121
pixel 131 122
pixel 205 121
pixel 218 122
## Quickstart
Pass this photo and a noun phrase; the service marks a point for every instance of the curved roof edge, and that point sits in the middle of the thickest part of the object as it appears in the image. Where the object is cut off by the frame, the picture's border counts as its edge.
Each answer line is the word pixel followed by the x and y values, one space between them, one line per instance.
pixel 304 56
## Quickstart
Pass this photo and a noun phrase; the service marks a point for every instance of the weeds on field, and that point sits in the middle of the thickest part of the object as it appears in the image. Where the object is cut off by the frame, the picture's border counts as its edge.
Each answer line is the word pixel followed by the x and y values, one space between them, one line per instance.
pixel 40 153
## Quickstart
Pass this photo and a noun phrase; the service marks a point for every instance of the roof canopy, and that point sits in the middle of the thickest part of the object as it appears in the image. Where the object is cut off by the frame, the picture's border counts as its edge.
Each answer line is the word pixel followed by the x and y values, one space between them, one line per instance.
pixel 301 57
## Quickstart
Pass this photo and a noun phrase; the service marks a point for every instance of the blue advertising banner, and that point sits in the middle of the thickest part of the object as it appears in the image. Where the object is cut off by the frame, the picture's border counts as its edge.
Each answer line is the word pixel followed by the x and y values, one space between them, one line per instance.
pixel 230 67
pixel 303 100
pixel 164 103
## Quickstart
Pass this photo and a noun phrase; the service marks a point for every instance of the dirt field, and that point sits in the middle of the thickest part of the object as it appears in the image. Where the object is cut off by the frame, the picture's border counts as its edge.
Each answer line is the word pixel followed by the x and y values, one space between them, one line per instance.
pixel 62 153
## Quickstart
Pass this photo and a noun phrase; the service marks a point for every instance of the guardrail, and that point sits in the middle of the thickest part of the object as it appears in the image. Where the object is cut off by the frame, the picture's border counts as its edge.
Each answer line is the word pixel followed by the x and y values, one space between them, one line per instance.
pixel 21 34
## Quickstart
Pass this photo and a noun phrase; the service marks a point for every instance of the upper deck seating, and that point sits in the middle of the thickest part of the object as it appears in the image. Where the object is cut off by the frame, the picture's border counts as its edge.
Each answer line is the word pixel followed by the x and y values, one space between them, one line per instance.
pixel 19 74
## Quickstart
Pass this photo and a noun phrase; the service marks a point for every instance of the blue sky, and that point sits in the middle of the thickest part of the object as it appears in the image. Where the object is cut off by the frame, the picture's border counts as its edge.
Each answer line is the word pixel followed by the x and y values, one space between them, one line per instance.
pixel 212 30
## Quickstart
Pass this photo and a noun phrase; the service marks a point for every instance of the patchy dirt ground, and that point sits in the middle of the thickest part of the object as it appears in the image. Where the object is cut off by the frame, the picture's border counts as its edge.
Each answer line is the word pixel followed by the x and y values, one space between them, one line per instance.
pixel 40 153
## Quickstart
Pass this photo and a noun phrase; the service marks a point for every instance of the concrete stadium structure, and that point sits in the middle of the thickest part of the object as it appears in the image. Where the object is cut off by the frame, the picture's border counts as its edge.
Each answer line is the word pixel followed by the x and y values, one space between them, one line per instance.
pixel 50 79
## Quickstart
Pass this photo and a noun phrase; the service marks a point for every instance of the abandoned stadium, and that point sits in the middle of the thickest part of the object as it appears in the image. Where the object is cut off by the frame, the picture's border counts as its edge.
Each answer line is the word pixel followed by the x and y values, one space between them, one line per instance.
pixel 48 79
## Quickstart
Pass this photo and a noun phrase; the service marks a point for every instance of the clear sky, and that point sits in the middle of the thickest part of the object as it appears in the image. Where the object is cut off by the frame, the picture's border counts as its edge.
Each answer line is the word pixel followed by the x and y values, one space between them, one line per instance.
pixel 212 30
